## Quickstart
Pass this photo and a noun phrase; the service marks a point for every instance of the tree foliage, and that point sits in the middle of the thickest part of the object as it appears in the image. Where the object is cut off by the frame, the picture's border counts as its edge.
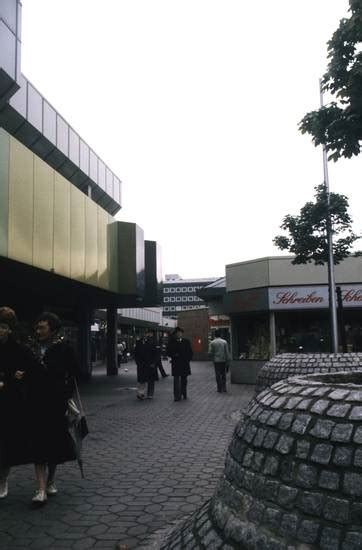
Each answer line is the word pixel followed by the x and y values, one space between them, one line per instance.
pixel 338 125
pixel 308 239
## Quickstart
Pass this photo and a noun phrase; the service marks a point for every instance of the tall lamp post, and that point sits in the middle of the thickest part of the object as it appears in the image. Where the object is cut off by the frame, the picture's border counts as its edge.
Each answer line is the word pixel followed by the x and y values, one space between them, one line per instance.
pixel 331 279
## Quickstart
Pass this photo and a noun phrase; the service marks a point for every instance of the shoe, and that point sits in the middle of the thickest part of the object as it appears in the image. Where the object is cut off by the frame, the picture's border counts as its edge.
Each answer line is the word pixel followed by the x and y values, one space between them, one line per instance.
pixel 165 375
pixel 149 396
pixel 40 497
pixel 140 396
pixel 51 489
pixel 177 399
pixel 4 488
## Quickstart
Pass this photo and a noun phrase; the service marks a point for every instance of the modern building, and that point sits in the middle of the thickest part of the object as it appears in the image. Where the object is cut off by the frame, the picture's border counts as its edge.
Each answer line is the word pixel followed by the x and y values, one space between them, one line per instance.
pixel 275 307
pixel 60 246
pixel 181 294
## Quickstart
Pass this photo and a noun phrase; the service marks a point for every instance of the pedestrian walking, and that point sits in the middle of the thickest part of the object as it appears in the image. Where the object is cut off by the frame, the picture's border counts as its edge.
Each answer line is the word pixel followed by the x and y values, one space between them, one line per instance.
pixel 15 362
pixel 51 386
pixel 180 351
pixel 220 355
pixel 159 364
pixel 146 356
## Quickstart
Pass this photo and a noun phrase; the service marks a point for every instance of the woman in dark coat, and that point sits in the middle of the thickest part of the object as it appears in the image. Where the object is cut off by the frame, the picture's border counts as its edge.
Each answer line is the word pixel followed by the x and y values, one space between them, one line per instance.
pixel 15 363
pixel 51 386
pixel 146 357
pixel 180 351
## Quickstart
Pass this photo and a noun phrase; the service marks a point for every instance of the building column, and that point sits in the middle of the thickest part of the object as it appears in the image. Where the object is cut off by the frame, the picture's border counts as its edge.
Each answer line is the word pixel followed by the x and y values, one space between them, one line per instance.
pixel 112 318
pixel 85 360
pixel 272 334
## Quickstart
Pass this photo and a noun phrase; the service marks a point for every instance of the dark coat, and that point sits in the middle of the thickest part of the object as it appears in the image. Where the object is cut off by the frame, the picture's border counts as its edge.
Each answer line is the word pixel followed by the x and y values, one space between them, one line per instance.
pixel 146 356
pixel 14 404
pixel 180 352
pixel 51 386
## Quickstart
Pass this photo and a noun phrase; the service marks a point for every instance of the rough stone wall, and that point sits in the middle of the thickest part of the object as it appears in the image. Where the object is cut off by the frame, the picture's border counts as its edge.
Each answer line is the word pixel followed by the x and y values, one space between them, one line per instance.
pixel 291 364
pixel 293 473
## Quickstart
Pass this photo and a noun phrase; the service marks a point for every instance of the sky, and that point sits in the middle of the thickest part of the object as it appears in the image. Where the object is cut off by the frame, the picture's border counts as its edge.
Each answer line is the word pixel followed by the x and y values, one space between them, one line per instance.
pixel 195 105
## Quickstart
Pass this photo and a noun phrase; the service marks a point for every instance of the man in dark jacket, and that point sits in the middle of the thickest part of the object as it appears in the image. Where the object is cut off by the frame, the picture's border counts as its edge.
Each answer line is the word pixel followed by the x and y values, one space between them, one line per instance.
pixel 146 357
pixel 180 351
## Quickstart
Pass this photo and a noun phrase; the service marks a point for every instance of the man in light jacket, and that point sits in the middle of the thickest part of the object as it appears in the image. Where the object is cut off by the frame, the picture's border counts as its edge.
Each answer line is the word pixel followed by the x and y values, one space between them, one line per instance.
pixel 219 352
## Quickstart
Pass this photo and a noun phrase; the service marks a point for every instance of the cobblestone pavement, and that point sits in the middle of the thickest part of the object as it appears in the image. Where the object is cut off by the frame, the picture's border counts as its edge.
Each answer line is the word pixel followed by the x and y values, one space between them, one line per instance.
pixel 147 464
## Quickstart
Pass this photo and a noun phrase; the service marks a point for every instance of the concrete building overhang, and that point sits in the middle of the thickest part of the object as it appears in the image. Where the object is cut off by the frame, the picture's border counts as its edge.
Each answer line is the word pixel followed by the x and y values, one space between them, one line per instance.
pixel 31 119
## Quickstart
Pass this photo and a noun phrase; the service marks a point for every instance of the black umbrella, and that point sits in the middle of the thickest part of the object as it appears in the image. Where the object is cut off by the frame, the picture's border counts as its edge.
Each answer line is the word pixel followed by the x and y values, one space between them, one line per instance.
pixel 79 428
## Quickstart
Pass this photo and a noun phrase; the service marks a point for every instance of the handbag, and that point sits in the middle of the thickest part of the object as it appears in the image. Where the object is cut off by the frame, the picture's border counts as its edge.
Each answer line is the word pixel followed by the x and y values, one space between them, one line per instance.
pixel 81 424
pixel 72 413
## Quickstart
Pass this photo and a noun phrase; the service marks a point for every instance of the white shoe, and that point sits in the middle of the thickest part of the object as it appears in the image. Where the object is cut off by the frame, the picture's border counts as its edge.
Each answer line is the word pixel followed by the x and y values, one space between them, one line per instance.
pixel 40 497
pixel 51 489
pixel 4 488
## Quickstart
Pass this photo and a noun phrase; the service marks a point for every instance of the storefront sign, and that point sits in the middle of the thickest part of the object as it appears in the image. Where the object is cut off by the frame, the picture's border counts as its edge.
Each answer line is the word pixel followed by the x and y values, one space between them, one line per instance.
pixel 311 297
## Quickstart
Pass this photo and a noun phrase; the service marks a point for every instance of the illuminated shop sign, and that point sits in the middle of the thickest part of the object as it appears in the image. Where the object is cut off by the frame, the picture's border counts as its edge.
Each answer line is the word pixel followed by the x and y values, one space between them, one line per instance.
pixel 312 297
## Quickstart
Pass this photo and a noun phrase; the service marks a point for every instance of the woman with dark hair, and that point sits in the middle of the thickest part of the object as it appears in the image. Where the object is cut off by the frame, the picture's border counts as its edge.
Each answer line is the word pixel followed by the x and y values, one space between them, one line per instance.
pixel 51 386
pixel 15 364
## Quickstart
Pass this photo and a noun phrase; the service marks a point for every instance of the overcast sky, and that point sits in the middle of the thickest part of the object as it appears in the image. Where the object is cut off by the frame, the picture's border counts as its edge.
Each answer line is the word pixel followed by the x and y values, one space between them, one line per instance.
pixel 194 104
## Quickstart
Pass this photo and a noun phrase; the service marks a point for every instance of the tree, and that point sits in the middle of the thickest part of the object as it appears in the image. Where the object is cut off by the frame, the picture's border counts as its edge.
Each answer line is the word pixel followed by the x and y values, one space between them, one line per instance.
pixel 308 232
pixel 338 125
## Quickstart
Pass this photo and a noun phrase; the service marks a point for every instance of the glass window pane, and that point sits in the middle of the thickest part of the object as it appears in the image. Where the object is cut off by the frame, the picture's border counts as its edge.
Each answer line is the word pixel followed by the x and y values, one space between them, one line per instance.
pixel 18 100
pixel 49 122
pixel 62 135
pixel 73 147
pixel 109 182
pixel 93 166
pixel 84 157
pixel 7 50
pixel 35 108
pixel 101 175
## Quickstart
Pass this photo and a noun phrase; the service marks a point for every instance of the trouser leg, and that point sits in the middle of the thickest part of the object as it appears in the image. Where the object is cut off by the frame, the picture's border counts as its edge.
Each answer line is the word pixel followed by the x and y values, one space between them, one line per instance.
pixel 218 376
pixel 223 377
pixel 141 389
pixel 177 387
pixel 184 386
pixel 4 473
pixel 150 388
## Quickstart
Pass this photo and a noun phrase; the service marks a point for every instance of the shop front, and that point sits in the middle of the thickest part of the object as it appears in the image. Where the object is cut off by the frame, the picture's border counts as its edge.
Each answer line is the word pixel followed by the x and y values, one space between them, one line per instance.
pixel 276 307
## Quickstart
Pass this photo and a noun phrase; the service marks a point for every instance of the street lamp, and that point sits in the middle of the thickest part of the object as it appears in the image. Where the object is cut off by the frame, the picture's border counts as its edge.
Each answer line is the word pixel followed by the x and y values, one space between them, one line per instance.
pixel 331 279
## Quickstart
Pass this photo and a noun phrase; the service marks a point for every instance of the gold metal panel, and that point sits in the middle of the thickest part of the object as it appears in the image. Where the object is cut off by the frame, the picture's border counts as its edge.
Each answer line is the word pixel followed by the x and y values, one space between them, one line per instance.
pixel 77 234
pixel 43 215
pixel 103 275
pixel 91 242
pixel 113 255
pixel 21 192
pixel 4 191
pixel 61 225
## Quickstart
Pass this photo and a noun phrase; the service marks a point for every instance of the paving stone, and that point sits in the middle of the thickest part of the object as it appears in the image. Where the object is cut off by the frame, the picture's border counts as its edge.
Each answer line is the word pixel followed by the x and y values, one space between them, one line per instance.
pixel 308 531
pixel 330 539
pixel 329 480
pixel 120 501
pixel 322 453
pixel 352 484
pixel 322 429
pixel 343 456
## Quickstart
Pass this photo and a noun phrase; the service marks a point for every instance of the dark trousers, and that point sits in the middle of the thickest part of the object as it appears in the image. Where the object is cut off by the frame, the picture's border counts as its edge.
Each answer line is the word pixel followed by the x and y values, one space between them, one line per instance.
pixel 220 375
pixel 179 387
pixel 150 388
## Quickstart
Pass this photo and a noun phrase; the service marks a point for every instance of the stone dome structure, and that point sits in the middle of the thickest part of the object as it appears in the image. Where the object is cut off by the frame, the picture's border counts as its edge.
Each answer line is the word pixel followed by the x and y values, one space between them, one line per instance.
pixel 292 364
pixel 293 473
